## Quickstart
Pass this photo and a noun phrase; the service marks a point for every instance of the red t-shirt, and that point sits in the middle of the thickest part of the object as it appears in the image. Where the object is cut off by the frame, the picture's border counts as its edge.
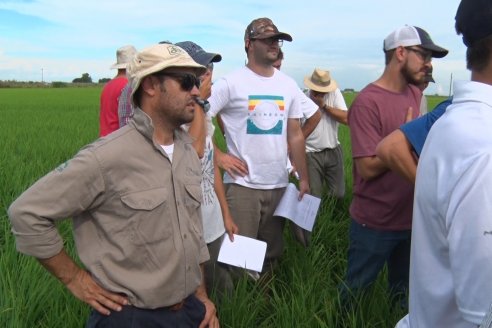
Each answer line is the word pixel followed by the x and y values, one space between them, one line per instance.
pixel 108 114
pixel 384 202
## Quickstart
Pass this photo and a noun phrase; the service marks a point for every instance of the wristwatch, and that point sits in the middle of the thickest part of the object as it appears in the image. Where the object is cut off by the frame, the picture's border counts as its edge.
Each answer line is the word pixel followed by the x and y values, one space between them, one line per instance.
pixel 204 104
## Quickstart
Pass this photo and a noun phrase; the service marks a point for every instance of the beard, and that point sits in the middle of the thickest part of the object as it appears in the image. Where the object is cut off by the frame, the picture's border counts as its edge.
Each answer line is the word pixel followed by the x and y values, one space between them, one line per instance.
pixel 410 76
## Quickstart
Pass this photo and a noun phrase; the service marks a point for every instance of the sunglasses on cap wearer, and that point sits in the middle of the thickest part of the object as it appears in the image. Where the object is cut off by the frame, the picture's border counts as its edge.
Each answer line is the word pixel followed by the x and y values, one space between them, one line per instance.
pixel 270 41
pixel 426 56
pixel 186 80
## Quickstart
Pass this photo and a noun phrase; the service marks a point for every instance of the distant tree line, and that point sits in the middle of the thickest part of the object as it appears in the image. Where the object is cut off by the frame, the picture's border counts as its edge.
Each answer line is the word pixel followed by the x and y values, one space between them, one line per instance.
pixel 86 78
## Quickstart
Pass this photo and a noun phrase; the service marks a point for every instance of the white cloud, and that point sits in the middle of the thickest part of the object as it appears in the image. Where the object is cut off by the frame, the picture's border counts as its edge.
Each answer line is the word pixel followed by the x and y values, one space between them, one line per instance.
pixel 343 36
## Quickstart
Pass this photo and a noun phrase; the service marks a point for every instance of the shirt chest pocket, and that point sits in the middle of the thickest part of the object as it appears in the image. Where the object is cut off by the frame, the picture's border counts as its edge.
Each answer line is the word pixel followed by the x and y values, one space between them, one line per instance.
pixel 150 220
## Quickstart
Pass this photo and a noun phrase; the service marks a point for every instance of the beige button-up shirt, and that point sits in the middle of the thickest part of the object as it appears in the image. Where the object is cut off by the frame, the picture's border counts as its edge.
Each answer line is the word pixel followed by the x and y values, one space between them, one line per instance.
pixel 136 216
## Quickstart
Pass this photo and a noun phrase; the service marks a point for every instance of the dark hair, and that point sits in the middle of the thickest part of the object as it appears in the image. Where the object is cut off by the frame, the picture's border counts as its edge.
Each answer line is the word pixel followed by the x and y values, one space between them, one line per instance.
pixel 478 54
pixel 388 55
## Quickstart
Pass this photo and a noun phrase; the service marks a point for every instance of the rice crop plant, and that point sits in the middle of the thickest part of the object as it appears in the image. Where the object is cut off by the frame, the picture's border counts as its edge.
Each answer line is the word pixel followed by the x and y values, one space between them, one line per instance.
pixel 42 128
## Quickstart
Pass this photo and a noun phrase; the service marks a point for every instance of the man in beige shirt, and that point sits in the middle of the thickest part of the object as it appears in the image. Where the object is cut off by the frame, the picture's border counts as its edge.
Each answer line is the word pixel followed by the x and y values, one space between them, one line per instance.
pixel 135 202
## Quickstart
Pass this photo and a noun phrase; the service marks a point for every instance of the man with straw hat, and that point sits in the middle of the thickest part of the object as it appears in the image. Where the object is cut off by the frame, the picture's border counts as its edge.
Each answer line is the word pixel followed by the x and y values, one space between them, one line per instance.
pixel 323 151
pixel 324 154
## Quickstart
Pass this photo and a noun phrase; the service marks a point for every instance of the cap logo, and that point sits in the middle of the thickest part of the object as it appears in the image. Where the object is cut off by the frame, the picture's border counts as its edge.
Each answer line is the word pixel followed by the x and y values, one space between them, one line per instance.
pixel 255 31
pixel 174 51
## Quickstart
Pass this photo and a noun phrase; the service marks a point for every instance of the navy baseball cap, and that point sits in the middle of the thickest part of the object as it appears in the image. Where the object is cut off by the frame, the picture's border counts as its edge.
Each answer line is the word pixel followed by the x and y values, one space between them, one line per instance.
pixel 198 54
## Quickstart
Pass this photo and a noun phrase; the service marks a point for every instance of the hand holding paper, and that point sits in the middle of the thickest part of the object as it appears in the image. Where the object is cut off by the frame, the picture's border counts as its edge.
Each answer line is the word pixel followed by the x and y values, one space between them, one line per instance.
pixel 244 252
pixel 301 212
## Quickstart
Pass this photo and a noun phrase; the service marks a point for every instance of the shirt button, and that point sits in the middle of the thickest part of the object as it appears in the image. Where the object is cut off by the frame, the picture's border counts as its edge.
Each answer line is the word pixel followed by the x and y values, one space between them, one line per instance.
pixel 189 268
pixel 184 236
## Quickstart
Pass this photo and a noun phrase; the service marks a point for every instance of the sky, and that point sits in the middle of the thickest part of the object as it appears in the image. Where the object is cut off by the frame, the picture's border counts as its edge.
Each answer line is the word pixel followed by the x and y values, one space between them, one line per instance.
pixel 58 40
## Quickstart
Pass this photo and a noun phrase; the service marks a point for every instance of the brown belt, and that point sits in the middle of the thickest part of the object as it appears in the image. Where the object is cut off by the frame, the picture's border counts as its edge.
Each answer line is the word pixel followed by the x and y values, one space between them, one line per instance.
pixel 177 306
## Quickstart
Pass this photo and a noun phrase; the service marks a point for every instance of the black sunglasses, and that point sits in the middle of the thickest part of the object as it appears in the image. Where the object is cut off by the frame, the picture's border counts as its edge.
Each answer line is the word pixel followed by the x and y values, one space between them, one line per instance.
pixel 186 80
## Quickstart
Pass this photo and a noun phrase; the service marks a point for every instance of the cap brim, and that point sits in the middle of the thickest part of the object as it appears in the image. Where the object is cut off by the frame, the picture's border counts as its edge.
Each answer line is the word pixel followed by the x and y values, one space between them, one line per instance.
pixel 279 35
pixel 118 66
pixel 205 58
pixel 437 52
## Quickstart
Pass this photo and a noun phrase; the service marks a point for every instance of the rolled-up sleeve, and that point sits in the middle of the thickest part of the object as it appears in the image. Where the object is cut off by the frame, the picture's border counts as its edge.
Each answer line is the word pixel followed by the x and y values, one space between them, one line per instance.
pixel 70 189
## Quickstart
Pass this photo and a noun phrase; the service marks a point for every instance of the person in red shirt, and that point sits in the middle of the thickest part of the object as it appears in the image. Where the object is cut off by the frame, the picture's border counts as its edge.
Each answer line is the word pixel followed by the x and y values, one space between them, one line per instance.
pixel 108 114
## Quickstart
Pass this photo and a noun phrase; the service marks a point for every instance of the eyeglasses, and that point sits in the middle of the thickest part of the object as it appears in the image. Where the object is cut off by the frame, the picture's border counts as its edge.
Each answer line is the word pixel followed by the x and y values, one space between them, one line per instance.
pixel 426 56
pixel 186 80
pixel 210 66
pixel 271 41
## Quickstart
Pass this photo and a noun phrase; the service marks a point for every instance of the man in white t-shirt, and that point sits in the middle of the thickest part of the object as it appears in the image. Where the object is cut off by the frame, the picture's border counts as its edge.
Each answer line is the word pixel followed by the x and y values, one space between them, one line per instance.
pixel 260 108
pixel 324 154
pixel 451 255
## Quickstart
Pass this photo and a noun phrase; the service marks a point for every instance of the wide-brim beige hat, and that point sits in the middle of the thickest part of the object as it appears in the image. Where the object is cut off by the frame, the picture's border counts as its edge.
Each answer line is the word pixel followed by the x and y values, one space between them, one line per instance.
pixel 320 81
pixel 123 56
pixel 157 58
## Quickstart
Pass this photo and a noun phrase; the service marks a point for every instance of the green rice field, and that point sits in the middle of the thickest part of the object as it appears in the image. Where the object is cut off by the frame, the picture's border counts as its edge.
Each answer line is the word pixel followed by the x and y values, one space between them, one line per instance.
pixel 43 127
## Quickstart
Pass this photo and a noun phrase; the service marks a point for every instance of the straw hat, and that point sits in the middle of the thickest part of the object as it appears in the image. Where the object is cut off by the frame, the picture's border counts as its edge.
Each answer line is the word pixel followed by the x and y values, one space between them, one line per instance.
pixel 123 56
pixel 320 81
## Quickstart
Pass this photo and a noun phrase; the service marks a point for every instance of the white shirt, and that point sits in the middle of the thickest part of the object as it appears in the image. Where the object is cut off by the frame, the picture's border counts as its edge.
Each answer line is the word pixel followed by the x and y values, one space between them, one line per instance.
pixel 325 135
pixel 213 222
pixel 451 256
pixel 255 110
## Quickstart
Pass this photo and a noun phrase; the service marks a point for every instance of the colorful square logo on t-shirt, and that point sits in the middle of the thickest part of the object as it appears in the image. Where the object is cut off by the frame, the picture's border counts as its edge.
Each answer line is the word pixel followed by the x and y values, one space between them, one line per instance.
pixel 265 114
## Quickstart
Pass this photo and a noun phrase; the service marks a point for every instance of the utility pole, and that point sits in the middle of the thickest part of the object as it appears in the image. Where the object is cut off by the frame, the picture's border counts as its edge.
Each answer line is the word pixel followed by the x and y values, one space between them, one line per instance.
pixel 450 84
pixel 42 75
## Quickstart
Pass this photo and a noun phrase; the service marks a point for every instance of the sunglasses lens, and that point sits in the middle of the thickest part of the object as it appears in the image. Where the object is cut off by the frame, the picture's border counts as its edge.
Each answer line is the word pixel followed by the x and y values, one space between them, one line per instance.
pixel 189 81
pixel 186 81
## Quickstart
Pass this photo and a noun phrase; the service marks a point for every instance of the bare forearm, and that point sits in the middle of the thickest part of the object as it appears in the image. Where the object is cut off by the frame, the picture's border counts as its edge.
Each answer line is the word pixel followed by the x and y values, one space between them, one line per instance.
pixel 62 266
pixel 396 152
pixel 311 124
pixel 198 131
pixel 370 167
pixel 337 114
pixel 219 189
pixel 297 149
pixel 201 291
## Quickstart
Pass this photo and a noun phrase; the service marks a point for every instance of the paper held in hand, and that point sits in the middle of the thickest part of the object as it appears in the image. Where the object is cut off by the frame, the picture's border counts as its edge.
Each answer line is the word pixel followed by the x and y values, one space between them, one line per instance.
pixel 303 212
pixel 244 252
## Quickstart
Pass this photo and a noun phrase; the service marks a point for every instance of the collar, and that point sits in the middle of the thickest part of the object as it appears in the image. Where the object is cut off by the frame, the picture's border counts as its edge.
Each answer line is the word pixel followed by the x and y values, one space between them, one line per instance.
pixel 471 91
pixel 143 124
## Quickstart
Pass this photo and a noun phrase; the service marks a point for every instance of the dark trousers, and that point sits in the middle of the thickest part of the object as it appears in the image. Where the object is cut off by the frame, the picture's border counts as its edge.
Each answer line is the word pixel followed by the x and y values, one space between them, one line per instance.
pixel 369 251
pixel 190 315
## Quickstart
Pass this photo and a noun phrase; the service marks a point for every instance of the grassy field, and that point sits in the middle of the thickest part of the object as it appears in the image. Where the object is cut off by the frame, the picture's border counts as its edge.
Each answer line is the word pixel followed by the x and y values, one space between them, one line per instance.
pixel 41 128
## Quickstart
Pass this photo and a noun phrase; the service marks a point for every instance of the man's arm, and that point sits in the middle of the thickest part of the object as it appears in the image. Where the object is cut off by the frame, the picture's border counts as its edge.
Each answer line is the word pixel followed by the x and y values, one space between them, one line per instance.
pixel 295 140
pixel 81 284
pixel 229 224
pixel 397 153
pixel 210 320
pixel 198 131
pixel 370 167
pixel 231 164
pixel 337 114
pixel 227 162
pixel 310 124
pixel 198 127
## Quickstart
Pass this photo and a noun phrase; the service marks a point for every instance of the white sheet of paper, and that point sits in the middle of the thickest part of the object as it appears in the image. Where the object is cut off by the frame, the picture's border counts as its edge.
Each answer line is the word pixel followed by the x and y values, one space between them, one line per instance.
pixel 244 252
pixel 303 213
